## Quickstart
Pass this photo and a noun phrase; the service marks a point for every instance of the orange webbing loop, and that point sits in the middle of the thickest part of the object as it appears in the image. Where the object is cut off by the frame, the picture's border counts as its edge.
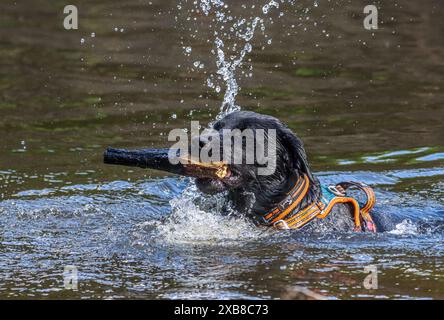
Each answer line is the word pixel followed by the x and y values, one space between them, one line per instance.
pixel 364 211
pixel 356 209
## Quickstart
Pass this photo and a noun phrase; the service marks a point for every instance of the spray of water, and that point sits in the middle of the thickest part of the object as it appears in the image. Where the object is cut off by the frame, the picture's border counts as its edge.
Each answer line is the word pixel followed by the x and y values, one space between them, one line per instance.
pixel 204 219
pixel 232 37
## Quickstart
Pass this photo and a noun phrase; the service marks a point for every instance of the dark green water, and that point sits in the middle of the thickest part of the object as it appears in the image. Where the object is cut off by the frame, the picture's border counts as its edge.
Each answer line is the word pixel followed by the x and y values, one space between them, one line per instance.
pixel 369 107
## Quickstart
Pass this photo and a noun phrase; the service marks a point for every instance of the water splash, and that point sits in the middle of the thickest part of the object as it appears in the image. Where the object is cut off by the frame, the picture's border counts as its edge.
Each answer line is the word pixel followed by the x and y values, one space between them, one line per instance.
pixel 406 227
pixel 190 221
pixel 232 43
pixel 266 8
pixel 204 220
pixel 207 5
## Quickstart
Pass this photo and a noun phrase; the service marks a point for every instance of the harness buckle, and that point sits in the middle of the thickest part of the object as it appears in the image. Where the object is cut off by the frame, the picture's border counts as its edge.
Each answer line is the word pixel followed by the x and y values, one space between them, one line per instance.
pixel 335 191
pixel 285 203
pixel 285 225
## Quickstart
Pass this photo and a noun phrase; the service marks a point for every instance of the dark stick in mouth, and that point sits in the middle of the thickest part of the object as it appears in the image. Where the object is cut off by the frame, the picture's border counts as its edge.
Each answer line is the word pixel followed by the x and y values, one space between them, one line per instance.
pixel 158 159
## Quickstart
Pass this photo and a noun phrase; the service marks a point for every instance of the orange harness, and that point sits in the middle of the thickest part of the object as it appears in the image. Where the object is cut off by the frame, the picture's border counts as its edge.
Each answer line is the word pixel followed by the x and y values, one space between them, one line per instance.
pixel 284 217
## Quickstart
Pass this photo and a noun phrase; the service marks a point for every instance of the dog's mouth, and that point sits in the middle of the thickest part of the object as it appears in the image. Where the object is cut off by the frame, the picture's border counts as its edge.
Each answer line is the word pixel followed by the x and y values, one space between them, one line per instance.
pixel 232 180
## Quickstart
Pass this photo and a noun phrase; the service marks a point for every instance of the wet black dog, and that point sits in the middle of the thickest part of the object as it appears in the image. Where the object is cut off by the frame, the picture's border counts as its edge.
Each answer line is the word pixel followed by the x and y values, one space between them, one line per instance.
pixel 250 193
pixel 255 194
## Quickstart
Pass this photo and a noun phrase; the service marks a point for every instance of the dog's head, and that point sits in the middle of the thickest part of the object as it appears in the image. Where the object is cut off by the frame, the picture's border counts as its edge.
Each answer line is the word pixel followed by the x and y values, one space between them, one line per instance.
pixel 254 185
pixel 268 186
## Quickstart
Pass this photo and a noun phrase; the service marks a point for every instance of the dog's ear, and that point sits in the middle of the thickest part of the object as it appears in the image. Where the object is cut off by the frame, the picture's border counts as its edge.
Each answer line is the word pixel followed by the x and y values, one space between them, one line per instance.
pixel 296 151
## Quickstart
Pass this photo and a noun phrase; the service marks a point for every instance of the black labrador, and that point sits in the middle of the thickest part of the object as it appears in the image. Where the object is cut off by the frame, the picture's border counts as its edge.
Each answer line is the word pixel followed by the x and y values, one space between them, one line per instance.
pixel 252 194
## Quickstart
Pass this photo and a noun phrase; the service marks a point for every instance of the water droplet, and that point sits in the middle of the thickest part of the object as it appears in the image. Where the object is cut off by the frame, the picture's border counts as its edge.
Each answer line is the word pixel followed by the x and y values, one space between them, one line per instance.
pixel 188 50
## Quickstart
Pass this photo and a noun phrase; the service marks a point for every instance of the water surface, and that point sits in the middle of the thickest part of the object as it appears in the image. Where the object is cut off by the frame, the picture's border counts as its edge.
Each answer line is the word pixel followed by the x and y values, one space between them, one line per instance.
pixel 369 107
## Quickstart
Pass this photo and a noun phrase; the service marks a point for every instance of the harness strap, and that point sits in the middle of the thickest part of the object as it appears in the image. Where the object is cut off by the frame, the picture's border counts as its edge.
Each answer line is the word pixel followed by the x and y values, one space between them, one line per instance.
pixel 293 198
pixel 281 217
pixel 367 206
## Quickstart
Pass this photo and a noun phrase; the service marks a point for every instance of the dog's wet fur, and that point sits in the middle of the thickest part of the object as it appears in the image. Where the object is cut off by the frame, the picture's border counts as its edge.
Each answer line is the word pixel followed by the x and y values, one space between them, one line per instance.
pixel 255 195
